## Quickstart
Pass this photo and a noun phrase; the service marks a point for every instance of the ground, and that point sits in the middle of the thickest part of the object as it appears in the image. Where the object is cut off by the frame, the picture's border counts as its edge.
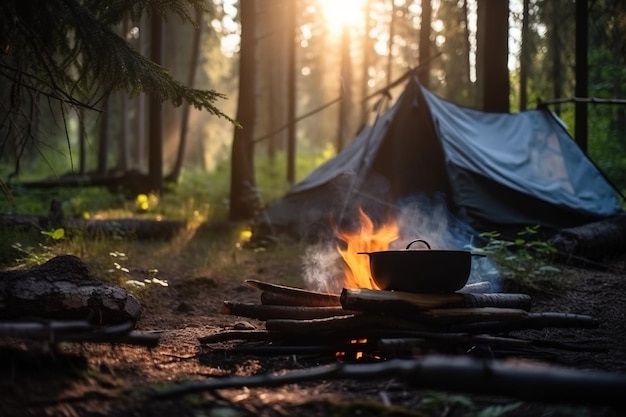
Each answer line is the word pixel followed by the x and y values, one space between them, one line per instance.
pixel 102 380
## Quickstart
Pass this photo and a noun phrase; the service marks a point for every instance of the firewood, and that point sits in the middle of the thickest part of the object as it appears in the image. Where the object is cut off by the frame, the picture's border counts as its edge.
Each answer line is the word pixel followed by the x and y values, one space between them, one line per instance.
pixel 302 300
pixel 343 326
pixel 404 302
pixel 266 312
pixel 300 296
pixel 230 335
pixel 471 315
pixel 531 321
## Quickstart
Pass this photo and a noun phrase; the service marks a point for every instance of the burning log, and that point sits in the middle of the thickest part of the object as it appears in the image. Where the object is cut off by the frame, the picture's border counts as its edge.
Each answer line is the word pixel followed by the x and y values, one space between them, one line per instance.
pixel 275 294
pixel 267 312
pixel 404 302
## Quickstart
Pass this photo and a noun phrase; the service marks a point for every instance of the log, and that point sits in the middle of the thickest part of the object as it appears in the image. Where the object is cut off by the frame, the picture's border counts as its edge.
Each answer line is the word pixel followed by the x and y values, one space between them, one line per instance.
pixel 593 243
pixel 297 296
pixel 64 288
pixel 535 321
pixel 141 229
pixel 349 326
pixel 398 302
pixel 266 312
pixel 470 320
pixel 230 335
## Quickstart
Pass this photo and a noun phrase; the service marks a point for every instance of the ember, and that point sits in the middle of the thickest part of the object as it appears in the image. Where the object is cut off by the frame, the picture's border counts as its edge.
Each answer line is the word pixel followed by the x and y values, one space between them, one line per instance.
pixel 367 238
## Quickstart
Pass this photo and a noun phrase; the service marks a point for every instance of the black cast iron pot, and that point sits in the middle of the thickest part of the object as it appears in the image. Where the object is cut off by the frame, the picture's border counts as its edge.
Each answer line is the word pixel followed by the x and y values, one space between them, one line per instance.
pixel 420 271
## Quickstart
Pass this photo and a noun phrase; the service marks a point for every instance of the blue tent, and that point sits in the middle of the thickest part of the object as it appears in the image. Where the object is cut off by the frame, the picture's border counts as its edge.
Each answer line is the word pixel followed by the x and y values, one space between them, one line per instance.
pixel 494 171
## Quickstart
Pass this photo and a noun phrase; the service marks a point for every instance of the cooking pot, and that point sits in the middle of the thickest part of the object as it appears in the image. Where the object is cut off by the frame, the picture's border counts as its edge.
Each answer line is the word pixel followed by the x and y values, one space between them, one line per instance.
pixel 420 271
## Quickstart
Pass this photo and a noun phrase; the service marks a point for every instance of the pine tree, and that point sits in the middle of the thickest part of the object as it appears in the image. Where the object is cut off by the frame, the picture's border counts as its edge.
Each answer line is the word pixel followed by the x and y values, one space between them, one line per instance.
pixel 68 51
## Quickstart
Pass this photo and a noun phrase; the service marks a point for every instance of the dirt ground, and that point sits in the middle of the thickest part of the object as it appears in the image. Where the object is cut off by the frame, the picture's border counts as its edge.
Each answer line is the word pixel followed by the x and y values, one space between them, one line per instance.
pixel 102 380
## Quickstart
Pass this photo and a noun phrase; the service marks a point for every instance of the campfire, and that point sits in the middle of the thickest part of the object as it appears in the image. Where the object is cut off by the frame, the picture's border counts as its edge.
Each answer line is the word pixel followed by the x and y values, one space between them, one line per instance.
pixel 367 322
pixel 367 238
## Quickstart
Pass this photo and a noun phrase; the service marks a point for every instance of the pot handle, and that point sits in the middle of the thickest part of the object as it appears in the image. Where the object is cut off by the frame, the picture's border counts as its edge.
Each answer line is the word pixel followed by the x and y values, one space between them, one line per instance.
pixel 418 240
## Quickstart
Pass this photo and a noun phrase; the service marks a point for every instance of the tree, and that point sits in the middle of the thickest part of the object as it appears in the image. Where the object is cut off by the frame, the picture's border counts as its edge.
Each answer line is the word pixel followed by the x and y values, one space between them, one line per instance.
pixel 55 51
pixel 243 194
pixel 492 54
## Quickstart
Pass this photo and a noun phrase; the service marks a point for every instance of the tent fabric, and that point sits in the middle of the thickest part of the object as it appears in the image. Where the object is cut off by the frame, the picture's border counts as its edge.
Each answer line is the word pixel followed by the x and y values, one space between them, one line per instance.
pixel 495 170
pixel 526 151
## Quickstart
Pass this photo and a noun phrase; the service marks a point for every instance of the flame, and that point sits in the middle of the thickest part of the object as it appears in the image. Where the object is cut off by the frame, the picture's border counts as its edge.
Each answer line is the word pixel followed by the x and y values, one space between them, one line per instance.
pixel 366 239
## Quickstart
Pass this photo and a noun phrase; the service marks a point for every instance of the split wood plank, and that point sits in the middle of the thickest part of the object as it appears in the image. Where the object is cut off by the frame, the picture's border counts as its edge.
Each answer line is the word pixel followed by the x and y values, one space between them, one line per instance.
pixel 267 312
pixel 300 296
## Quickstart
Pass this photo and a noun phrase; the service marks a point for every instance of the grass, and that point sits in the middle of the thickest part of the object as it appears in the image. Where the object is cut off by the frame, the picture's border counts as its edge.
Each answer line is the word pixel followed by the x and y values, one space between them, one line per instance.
pixel 208 249
pixel 211 244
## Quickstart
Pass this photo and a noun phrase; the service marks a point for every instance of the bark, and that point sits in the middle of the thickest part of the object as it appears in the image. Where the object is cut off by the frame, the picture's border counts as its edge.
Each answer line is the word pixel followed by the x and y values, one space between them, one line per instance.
pixel 64 288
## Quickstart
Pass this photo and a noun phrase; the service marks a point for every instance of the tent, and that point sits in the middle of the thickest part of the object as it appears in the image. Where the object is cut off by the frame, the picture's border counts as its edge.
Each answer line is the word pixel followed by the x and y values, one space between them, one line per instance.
pixel 493 171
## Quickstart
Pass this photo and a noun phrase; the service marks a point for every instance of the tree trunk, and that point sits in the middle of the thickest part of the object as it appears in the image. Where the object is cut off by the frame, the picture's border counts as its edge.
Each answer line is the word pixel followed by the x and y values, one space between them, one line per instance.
pixel 345 92
pixel 243 194
pixel 191 76
pixel 424 43
pixel 493 27
pixel 582 73
pixel 524 57
pixel 103 138
pixel 291 91
pixel 155 151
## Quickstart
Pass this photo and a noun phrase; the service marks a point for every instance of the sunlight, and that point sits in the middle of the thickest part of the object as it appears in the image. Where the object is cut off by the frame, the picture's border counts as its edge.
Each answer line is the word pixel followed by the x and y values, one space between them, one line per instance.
pixel 339 14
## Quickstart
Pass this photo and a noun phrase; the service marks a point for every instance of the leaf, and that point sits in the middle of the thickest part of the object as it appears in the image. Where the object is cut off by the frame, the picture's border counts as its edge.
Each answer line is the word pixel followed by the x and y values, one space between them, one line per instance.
pixel 56 234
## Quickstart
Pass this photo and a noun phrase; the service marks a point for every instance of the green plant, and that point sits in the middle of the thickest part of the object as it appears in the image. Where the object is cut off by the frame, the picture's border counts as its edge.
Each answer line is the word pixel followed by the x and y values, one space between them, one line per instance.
pixel 523 261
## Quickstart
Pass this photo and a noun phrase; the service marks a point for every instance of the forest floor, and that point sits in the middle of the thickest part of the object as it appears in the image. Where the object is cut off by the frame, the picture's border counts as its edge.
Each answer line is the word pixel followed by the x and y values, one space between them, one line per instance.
pixel 102 380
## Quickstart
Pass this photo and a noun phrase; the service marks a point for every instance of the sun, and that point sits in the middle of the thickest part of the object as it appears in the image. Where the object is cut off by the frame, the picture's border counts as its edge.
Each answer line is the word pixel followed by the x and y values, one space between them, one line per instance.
pixel 342 13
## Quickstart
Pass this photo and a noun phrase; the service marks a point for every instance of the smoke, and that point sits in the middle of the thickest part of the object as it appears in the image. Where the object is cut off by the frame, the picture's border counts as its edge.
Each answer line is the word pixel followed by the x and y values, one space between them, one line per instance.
pixel 322 268
pixel 418 218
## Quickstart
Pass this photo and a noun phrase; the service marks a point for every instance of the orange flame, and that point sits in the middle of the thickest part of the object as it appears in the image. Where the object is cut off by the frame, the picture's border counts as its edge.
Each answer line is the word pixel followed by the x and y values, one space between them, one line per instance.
pixel 366 239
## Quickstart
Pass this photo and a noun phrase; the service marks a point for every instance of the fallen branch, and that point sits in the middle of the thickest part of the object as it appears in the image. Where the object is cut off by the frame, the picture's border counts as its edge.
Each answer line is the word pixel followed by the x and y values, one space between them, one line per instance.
pixel 445 373
pixel 77 331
